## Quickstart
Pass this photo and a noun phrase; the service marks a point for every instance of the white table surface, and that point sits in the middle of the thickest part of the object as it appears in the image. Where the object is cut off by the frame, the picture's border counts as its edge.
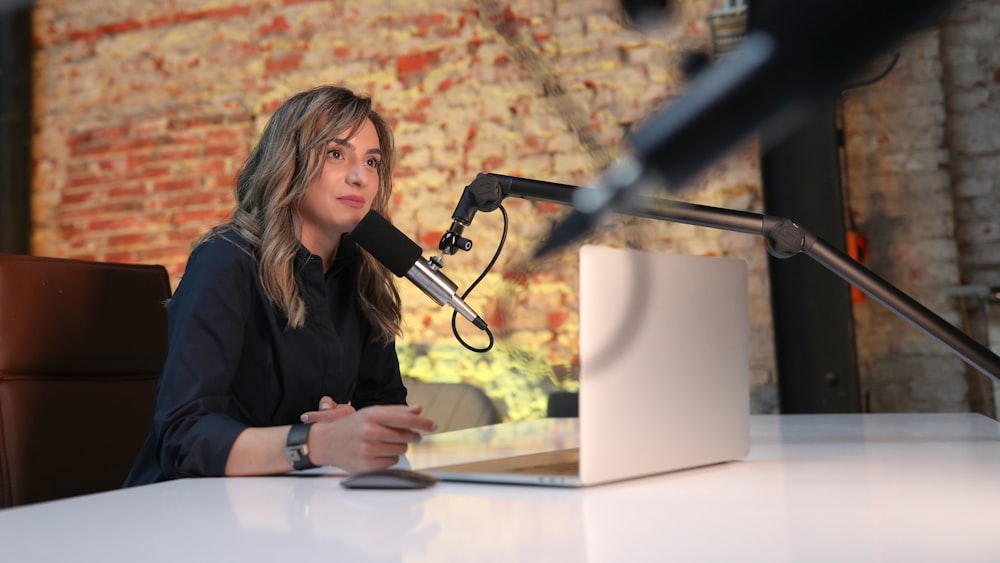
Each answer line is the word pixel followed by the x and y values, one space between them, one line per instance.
pixel 886 487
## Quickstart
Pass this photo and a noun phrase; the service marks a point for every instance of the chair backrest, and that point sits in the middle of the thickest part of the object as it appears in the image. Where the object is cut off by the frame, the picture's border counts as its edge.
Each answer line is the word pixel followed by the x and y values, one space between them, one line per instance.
pixel 81 348
pixel 453 406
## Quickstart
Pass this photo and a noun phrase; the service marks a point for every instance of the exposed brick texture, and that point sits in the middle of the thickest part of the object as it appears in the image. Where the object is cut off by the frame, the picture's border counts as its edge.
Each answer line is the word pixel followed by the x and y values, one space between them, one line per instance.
pixel 145 112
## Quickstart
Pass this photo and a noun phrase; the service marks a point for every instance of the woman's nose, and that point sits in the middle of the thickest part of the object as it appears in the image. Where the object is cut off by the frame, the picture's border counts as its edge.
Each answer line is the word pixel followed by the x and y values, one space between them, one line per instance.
pixel 356 174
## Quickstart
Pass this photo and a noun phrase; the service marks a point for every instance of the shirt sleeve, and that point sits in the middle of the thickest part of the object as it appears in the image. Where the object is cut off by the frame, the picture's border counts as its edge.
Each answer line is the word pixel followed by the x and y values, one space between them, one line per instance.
pixel 380 382
pixel 196 419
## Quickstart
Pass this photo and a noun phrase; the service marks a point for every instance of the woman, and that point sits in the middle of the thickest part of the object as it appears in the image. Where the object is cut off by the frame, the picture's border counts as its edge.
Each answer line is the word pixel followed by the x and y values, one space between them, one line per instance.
pixel 279 311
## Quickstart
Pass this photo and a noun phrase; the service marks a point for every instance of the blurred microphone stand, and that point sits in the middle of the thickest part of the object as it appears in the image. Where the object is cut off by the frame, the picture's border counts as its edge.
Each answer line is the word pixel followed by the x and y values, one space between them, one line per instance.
pixel 784 239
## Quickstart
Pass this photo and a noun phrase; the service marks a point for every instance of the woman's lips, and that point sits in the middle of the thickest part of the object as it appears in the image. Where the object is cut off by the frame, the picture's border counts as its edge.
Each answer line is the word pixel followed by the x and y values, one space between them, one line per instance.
pixel 352 201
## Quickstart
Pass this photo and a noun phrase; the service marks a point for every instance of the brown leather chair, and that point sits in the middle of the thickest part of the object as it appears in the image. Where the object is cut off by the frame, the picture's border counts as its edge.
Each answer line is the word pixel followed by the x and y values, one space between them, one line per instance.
pixel 81 348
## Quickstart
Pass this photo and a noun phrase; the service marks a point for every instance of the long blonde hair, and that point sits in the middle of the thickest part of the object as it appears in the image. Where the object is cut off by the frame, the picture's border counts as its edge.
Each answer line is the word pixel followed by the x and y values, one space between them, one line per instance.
pixel 269 188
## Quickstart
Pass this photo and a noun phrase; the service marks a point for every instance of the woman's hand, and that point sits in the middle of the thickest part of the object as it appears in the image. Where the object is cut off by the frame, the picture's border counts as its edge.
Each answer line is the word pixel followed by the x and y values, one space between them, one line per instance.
pixel 328 411
pixel 369 439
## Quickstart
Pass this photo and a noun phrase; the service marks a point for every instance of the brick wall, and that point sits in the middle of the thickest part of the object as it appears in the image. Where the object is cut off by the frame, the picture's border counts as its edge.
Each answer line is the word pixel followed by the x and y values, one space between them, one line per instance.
pixel 146 110
pixel 971 78
pixel 900 196
pixel 920 153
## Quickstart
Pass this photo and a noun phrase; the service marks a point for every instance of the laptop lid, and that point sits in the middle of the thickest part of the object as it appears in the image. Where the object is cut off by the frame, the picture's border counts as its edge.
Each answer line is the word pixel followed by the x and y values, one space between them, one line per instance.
pixel 664 373
pixel 664 362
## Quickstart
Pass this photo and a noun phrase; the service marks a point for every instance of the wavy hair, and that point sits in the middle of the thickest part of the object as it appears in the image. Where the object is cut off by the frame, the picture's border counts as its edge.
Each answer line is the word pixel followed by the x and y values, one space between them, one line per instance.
pixel 273 181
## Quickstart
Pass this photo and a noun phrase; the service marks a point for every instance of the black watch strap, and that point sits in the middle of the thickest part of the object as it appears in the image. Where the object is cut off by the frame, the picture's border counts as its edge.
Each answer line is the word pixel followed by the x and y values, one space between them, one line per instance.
pixel 296 449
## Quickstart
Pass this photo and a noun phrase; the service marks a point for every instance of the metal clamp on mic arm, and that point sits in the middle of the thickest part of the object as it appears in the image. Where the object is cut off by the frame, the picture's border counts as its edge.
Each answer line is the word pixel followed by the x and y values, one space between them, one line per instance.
pixel 486 193
pixel 784 239
pixel 483 194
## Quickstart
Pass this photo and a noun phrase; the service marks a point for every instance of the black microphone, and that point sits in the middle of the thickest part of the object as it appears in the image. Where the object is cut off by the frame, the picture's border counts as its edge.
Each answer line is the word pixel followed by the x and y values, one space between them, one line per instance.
pixel 403 257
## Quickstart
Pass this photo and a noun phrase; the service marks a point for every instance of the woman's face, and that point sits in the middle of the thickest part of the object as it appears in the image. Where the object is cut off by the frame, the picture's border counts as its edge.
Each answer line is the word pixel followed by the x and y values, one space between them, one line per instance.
pixel 344 192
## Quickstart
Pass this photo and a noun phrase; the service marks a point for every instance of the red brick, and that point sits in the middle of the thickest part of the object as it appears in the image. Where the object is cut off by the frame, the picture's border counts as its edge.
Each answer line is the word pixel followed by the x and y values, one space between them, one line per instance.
pixel 445 84
pixel 110 133
pixel 130 239
pixel 556 319
pixel 519 277
pixel 282 63
pixel 182 237
pixel 91 148
pixel 226 136
pixel 135 160
pixel 175 185
pixel 84 35
pixel 497 319
pixel 224 182
pixel 175 154
pixel 429 20
pixel 431 239
pixel 278 24
pixel 493 163
pixel 416 117
pixel 78 197
pixel 121 257
pixel 197 198
pixel 131 143
pixel 132 190
pixel 115 223
pixel 406 64
pixel 200 217
pixel 226 13
pixel 148 172
pixel 186 123
pixel 80 138
pixel 76 182
pixel 211 167
pixel 225 151
pixel 545 207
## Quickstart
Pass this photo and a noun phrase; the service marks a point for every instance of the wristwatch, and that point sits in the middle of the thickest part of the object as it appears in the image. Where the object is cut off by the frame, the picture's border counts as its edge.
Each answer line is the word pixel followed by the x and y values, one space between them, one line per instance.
pixel 296 448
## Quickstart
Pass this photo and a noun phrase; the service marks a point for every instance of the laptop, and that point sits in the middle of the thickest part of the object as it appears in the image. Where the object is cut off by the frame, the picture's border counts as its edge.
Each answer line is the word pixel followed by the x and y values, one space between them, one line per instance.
pixel 664 379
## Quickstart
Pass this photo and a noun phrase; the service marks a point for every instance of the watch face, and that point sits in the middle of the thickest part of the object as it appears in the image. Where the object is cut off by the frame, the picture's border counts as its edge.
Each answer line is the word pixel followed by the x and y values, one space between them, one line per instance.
pixel 294 454
pixel 296 449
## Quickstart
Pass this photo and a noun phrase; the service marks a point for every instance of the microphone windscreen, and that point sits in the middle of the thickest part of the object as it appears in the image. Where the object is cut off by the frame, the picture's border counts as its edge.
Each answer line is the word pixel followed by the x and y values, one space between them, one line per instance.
pixel 386 243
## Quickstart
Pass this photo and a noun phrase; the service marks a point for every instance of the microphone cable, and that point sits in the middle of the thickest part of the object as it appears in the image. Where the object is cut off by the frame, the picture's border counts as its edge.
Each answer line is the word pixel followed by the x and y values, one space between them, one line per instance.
pixel 493 261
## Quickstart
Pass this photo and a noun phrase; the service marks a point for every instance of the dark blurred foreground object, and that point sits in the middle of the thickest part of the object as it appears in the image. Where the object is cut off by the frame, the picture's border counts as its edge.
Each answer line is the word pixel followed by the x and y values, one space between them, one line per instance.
pixel 796 55
pixel 646 13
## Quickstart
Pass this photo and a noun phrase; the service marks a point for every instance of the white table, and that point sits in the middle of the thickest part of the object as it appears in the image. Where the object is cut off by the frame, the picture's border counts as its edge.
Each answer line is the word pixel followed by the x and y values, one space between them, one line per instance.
pixel 890 487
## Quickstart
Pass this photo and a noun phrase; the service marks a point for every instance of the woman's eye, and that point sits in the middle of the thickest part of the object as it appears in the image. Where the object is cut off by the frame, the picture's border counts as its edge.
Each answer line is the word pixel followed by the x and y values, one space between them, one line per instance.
pixel 335 153
pixel 373 162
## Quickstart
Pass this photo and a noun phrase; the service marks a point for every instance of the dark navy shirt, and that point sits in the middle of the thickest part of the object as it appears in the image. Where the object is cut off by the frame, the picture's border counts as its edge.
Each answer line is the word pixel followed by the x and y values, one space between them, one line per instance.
pixel 233 362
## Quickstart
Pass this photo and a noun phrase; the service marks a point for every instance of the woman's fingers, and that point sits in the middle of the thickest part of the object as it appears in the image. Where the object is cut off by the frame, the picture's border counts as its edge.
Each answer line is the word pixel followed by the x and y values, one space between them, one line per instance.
pixel 401 417
pixel 371 438
pixel 328 411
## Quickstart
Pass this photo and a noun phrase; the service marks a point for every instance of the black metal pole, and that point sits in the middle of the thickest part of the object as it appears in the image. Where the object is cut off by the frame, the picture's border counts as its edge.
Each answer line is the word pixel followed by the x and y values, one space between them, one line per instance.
pixel 16 59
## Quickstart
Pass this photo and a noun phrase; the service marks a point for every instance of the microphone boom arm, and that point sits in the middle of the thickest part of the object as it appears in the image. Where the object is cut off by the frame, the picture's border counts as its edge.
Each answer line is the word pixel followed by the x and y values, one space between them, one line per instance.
pixel 784 239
